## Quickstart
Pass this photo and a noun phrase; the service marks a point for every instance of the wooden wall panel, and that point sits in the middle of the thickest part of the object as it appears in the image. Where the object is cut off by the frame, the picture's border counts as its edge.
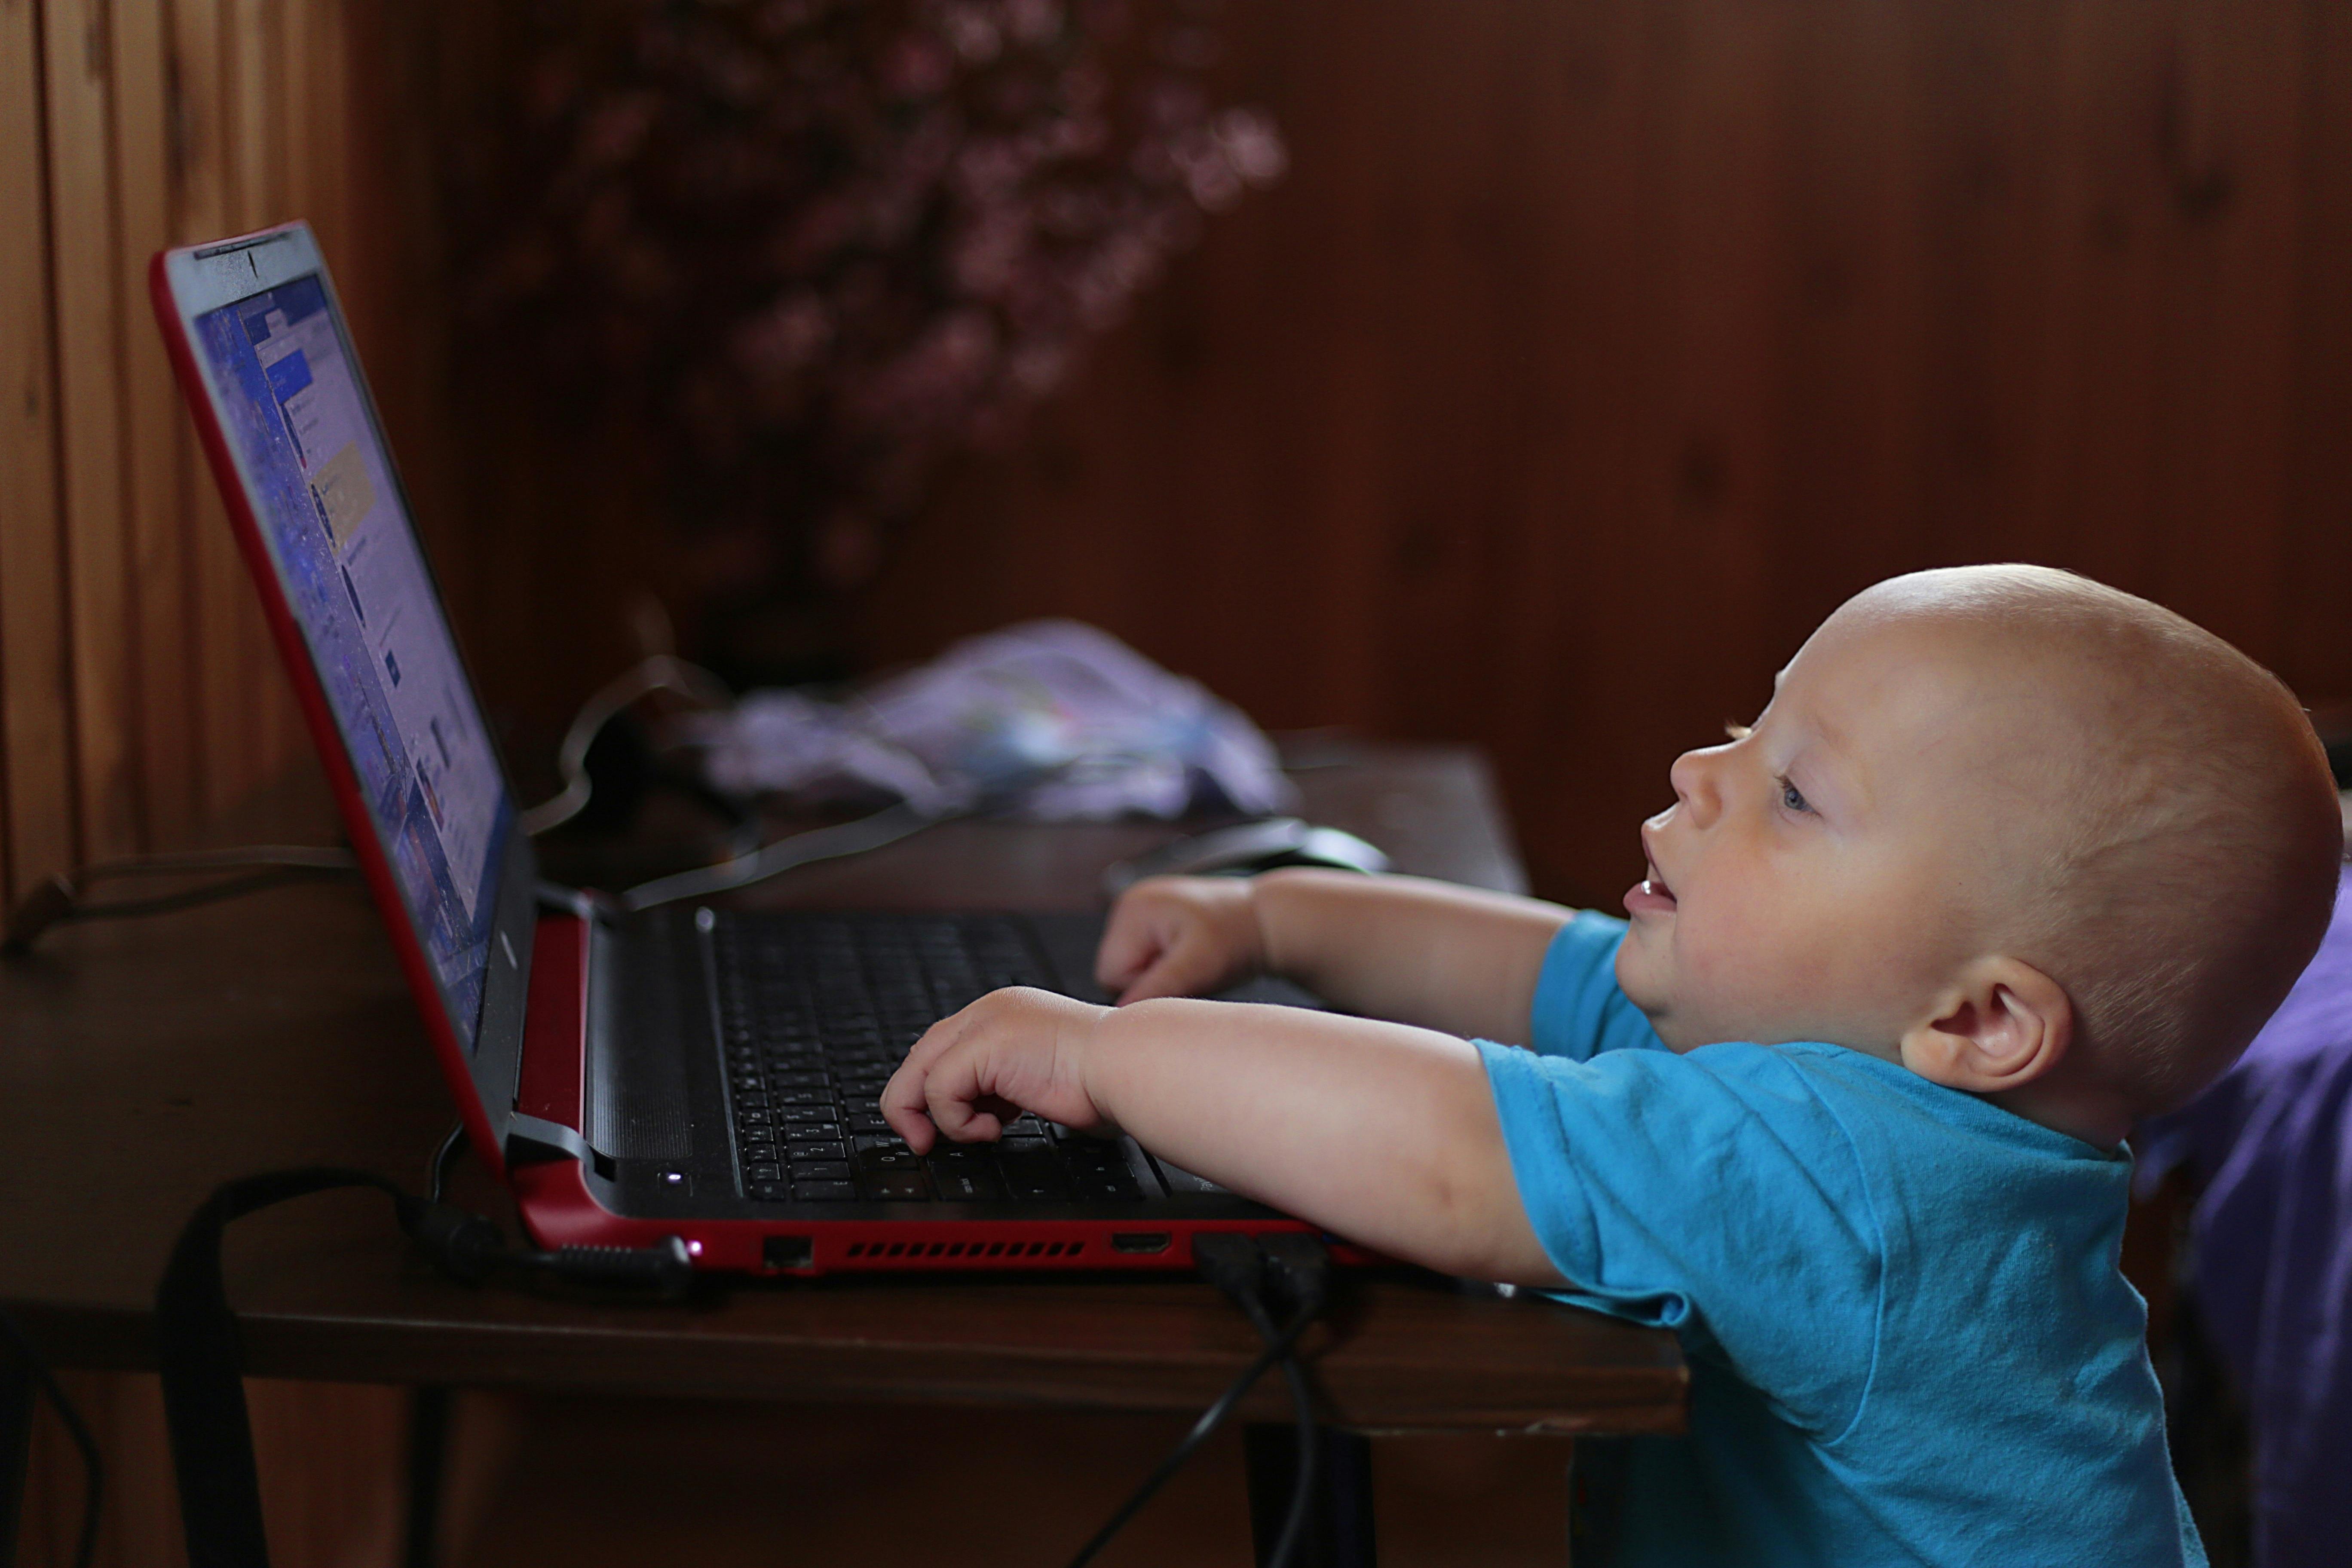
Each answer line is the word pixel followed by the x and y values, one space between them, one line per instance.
pixel 2317 561
pixel 36 699
pixel 140 699
pixel 154 429
pixel 1589 355
pixel 90 329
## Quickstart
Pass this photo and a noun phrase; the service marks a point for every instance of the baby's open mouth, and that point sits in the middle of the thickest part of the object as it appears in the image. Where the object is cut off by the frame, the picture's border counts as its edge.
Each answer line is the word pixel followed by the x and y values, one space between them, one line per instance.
pixel 1650 894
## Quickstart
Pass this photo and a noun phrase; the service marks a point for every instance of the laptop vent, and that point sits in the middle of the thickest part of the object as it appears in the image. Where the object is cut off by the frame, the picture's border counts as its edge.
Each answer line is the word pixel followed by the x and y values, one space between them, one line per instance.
pixel 946 1249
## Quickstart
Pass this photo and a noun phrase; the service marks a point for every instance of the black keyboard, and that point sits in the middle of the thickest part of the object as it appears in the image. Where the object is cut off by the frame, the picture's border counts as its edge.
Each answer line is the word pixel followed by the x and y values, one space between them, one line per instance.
pixel 816 1012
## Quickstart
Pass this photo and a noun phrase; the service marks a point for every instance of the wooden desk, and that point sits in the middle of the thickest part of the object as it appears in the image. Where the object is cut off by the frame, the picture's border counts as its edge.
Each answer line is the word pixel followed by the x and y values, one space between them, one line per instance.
pixel 144 1062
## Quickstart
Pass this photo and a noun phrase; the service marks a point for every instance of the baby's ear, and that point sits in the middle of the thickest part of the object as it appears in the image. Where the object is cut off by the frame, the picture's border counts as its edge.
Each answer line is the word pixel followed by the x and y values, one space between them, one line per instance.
pixel 2002 1024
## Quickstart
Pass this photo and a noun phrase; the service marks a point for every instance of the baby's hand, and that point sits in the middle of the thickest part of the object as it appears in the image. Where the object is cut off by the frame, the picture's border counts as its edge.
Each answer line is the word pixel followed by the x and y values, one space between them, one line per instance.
pixel 1013 1050
pixel 1180 936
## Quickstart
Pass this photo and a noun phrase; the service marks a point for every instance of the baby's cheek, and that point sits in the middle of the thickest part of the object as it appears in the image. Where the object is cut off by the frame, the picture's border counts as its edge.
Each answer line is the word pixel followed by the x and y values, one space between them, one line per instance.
pixel 1750 970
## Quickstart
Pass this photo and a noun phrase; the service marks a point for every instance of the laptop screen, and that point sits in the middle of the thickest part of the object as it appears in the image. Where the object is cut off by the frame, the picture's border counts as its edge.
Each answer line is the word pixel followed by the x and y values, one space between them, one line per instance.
pixel 355 578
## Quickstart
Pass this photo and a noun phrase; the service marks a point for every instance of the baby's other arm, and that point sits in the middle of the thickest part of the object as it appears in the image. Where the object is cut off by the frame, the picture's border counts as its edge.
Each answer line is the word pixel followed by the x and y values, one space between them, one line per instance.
pixel 1382 1132
pixel 1458 959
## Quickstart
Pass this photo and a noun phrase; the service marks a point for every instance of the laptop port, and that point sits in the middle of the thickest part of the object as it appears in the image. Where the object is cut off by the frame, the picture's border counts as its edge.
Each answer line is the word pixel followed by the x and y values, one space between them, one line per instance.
pixel 1139 1241
pixel 788 1252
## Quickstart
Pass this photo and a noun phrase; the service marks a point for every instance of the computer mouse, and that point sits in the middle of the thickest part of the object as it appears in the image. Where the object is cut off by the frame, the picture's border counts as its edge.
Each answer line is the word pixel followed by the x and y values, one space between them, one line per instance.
pixel 1246 848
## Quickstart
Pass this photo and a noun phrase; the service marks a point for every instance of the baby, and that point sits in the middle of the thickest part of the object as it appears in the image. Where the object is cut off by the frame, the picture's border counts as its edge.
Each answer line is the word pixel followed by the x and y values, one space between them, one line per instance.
pixel 2011 860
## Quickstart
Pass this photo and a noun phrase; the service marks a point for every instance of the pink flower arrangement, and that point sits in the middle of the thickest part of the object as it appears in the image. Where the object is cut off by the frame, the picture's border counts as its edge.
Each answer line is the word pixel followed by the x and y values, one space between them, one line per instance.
pixel 813 245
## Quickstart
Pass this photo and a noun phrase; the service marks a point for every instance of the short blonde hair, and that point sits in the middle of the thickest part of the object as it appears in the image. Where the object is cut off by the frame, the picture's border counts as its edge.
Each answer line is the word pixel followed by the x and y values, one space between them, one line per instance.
pixel 2190 869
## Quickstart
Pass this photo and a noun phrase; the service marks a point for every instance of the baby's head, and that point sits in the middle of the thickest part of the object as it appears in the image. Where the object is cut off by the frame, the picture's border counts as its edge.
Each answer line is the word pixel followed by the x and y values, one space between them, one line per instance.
pixel 2029 835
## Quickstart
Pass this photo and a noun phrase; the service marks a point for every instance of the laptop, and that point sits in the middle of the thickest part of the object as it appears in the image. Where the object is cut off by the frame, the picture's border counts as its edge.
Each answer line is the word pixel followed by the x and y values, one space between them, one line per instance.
pixel 687 1071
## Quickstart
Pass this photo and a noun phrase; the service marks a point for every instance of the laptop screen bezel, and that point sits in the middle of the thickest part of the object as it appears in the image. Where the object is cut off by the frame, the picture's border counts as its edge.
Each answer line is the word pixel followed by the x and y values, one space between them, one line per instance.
pixel 190 284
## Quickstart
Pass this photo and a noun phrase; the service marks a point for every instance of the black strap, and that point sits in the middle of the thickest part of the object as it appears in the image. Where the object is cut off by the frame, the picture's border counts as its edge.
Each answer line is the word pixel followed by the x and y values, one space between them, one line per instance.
pixel 202 1362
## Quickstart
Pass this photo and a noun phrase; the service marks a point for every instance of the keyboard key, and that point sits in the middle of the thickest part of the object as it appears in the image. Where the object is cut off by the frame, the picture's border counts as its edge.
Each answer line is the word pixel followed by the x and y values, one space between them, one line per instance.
pixel 764 1170
pixel 969 1183
pixel 825 1192
pixel 1099 1190
pixel 790 1114
pixel 816 1149
pixel 772 1192
pixel 751 1119
pixel 1037 1184
pixel 895 1186
pixel 1096 1159
pixel 820 1170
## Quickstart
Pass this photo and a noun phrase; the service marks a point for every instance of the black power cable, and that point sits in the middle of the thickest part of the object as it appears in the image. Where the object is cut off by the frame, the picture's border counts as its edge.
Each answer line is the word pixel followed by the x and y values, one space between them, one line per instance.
pixel 203 1360
pixel 1297 1266
pixel 1243 1268
pixel 437 1170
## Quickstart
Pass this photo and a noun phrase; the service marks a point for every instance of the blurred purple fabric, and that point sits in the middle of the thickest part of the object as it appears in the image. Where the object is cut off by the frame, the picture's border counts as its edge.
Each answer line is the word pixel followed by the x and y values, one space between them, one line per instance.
pixel 2271 1145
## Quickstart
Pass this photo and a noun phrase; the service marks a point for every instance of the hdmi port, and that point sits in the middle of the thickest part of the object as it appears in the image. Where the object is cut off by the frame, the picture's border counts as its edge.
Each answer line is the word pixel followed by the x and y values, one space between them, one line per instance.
pixel 1139 1241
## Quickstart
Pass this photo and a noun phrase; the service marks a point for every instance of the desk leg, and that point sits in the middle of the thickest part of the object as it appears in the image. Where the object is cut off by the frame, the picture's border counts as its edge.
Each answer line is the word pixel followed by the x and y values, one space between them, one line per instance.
pixel 1338 1532
pixel 428 1462
pixel 16 1450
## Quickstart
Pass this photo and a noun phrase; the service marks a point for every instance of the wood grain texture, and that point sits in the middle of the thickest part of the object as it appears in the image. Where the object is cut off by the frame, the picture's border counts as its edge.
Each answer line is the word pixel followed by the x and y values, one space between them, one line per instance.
pixel 153 424
pixel 1586 358
pixel 1590 355
pixel 89 328
pixel 36 690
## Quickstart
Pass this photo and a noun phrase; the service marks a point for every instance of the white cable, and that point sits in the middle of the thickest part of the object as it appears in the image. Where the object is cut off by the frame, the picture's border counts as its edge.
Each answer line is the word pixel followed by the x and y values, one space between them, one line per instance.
pixel 661 672
pixel 868 832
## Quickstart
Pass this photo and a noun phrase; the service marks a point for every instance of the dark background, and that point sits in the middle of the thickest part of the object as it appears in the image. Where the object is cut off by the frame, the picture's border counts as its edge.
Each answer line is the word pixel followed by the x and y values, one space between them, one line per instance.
pixel 1590 354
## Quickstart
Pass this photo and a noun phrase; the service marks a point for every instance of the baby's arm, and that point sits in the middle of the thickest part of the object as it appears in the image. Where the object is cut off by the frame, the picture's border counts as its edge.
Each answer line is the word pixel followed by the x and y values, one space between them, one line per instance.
pixel 1449 958
pixel 1382 1132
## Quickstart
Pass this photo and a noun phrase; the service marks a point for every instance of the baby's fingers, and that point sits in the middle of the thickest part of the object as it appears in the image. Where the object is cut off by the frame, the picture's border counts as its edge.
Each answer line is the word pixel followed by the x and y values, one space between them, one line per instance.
pixel 907 1097
pixel 1133 942
pixel 952 1094
pixel 904 1102
pixel 1196 963
pixel 1176 973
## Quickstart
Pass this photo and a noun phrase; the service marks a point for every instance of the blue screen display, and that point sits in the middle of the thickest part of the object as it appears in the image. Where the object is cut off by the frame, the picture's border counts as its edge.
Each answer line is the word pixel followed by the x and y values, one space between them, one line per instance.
pixel 355 573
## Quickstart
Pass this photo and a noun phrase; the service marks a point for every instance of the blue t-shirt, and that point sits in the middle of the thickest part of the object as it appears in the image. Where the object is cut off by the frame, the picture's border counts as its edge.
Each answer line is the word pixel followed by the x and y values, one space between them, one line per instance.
pixel 1908 1338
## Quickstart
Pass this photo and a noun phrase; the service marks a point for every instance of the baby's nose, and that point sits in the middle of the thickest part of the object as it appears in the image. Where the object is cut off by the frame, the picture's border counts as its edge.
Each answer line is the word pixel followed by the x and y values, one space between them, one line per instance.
pixel 1692 776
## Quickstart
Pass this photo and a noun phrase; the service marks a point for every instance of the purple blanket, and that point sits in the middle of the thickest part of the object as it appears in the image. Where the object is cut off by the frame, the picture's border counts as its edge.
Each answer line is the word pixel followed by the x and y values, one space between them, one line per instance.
pixel 2272 1142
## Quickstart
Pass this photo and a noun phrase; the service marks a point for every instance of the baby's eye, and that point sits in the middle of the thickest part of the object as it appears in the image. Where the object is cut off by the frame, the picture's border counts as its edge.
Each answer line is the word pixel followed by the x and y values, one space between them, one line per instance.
pixel 1792 798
